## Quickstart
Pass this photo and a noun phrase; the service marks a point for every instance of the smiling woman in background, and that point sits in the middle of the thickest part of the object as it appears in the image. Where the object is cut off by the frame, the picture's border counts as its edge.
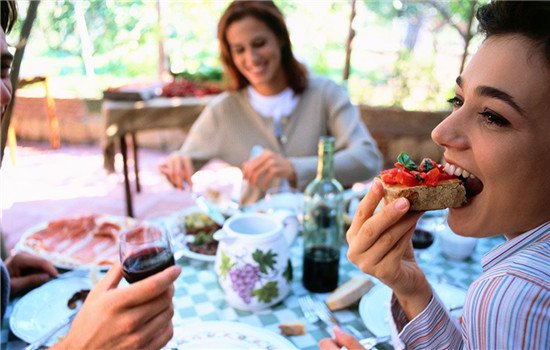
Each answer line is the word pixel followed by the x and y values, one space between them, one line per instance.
pixel 498 132
pixel 273 103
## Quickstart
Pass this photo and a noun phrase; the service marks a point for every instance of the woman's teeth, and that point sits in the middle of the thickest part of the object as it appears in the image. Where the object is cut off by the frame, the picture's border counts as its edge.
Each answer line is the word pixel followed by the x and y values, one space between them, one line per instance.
pixel 452 169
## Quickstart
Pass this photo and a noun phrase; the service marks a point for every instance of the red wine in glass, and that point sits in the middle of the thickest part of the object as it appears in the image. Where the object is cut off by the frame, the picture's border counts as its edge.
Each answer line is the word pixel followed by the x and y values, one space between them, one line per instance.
pixel 144 250
pixel 422 239
pixel 146 262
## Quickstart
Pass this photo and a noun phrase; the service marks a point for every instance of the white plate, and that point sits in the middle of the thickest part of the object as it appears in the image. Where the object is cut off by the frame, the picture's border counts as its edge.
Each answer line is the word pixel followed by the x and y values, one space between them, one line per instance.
pixel 222 335
pixel 63 261
pixel 179 238
pixel 44 307
pixel 293 202
pixel 374 306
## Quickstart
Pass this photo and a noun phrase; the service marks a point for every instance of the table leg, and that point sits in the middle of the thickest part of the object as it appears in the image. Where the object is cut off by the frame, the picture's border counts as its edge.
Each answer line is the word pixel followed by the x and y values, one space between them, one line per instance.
pixel 127 192
pixel 136 163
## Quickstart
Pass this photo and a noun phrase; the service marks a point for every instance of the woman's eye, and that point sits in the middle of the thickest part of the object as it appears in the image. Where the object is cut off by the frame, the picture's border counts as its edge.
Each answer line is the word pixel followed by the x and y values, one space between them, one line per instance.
pixel 237 50
pixel 455 102
pixel 493 118
pixel 258 43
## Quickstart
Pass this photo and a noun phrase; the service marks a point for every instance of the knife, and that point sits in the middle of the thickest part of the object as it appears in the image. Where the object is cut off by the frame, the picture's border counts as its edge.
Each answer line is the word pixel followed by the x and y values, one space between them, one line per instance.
pixel 207 207
pixel 42 340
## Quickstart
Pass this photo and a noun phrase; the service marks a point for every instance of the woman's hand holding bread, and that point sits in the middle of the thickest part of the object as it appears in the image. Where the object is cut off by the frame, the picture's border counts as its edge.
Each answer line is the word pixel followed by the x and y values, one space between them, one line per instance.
pixel 380 244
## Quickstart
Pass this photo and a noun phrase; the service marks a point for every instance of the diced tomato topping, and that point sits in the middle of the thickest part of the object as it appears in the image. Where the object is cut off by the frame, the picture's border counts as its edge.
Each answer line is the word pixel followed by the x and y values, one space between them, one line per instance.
pixel 407 179
pixel 403 176
pixel 389 176
pixel 432 177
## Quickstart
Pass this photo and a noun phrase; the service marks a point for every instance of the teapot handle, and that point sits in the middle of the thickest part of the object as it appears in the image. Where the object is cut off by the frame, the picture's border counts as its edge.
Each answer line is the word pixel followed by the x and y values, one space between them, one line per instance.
pixel 290 223
pixel 222 236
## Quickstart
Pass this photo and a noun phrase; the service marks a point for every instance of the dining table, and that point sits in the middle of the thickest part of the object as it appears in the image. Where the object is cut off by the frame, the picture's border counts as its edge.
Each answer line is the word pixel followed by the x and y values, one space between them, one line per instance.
pixel 198 296
pixel 124 119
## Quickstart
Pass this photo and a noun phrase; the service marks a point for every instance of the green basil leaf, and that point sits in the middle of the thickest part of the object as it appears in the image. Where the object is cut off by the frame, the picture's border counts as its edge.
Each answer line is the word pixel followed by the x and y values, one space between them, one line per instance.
pixel 406 160
pixel 427 165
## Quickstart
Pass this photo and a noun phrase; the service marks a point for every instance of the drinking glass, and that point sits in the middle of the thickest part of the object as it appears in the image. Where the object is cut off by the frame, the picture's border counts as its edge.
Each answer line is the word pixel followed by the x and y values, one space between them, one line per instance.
pixel 145 250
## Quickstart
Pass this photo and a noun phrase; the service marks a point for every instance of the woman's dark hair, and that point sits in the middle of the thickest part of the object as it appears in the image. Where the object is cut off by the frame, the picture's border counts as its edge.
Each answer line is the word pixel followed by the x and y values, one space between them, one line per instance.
pixel 528 18
pixel 8 15
pixel 268 13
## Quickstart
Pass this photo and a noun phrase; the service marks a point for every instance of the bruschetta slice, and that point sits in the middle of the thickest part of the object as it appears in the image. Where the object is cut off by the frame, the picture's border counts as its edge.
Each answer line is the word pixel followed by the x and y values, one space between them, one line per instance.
pixel 427 186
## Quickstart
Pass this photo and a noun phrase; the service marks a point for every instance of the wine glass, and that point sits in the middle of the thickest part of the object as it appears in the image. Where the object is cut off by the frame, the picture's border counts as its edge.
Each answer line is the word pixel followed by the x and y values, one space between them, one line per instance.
pixel 430 224
pixel 145 250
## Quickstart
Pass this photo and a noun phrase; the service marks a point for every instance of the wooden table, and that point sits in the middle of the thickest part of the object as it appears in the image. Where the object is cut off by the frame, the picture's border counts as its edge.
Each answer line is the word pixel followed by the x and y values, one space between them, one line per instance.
pixel 125 118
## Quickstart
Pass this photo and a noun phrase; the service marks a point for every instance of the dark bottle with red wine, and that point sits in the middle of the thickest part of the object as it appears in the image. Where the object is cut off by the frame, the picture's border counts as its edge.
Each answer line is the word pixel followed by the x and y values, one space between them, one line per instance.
pixel 323 224
pixel 146 262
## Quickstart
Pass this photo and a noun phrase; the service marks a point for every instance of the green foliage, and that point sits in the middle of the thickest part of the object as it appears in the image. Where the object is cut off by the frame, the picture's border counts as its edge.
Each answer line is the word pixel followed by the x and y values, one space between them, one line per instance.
pixel 125 44
pixel 265 260
pixel 288 272
pixel 267 293
pixel 225 264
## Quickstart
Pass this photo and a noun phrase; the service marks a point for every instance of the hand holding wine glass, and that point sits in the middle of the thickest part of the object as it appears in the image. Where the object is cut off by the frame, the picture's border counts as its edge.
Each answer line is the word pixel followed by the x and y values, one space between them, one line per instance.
pixel 145 250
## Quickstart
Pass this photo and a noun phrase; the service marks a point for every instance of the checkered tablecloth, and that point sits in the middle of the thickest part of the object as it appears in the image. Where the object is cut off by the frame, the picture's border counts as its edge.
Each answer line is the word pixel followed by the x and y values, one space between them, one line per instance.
pixel 199 298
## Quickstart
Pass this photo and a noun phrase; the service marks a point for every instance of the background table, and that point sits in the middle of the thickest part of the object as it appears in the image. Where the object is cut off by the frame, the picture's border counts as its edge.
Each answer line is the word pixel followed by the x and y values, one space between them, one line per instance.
pixel 123 118
pixel 199 298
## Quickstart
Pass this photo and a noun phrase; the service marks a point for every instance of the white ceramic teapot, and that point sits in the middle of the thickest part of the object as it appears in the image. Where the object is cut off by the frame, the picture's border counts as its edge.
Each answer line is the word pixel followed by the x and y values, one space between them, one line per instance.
pixel 252 261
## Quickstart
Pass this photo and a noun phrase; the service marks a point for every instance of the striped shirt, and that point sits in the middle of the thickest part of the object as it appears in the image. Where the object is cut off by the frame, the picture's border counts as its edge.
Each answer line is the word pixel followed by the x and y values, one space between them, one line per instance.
pixel 507 307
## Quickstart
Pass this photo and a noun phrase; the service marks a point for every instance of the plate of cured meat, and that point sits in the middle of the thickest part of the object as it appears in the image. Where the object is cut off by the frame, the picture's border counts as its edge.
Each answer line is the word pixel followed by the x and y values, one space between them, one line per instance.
pixel 79 242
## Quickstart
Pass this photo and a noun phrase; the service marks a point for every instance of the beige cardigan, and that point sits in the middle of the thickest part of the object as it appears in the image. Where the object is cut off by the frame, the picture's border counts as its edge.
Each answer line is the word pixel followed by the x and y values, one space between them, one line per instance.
pixel 229 127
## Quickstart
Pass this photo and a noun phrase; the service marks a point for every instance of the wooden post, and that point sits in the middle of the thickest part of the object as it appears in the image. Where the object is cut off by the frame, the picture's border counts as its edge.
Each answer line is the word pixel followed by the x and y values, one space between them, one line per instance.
pixel 52 117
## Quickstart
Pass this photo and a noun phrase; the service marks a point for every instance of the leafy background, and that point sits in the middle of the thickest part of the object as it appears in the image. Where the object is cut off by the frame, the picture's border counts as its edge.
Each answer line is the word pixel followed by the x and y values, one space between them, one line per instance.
pixel 405 53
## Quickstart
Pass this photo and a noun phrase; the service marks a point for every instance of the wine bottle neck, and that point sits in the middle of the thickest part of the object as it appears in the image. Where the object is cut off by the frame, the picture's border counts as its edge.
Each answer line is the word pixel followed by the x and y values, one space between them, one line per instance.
pixel 325 165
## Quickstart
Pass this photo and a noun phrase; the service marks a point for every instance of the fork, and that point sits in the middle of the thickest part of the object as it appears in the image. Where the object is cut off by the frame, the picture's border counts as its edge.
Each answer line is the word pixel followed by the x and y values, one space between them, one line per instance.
pixel 321 312
pixel 307 309
pixel 371 342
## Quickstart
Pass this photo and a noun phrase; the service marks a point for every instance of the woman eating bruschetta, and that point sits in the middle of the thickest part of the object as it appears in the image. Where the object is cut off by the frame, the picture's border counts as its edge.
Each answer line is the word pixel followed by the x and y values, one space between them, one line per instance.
pixel 498 138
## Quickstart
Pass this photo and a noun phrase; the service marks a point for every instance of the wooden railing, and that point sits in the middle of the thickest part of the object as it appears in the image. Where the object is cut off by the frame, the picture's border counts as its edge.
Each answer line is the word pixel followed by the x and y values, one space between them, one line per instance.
pixel 397 130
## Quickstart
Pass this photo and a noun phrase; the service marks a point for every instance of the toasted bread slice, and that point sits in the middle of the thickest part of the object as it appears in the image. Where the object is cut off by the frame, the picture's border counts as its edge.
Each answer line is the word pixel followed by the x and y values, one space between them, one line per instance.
pixel 349 293
pixel 295 328
pixel 447 194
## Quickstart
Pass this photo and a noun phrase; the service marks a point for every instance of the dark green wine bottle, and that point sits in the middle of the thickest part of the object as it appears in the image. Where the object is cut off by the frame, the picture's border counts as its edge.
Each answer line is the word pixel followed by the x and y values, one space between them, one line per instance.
pixel 323 223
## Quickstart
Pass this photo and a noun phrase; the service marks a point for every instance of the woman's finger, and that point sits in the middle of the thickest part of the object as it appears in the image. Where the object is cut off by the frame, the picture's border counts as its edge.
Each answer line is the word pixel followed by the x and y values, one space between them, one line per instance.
pixel 110 280
pixel 366 207
pixel 382 259
pixel 156 327
pixel 344 339
pixel 188 170
pixel 149 288
pixel 375 227
pixel 328 344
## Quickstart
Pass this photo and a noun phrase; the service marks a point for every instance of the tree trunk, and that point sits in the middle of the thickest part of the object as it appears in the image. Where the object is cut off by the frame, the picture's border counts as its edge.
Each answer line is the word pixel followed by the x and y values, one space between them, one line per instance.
pixel 85 41
pixel 16 67
pixel 163 67
pixel 468 35
pixel 351 35
pixel 413 29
